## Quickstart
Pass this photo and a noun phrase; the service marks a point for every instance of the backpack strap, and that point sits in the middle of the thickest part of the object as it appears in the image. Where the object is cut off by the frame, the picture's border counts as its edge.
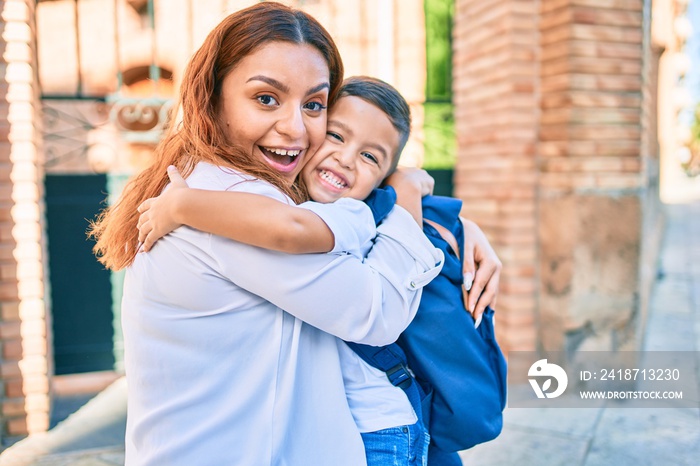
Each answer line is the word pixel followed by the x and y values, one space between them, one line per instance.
pixel 392 360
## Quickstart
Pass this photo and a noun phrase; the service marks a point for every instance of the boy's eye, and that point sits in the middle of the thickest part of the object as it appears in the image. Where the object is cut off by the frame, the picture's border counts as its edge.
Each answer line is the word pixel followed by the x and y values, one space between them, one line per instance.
pixel 370 157
pixel 267 100
pixel 335 136
pixel 315 106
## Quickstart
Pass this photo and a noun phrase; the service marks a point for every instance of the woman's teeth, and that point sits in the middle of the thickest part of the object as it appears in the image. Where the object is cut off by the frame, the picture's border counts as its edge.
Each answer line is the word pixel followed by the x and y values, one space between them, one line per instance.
pixel 332 179
pixel 289 153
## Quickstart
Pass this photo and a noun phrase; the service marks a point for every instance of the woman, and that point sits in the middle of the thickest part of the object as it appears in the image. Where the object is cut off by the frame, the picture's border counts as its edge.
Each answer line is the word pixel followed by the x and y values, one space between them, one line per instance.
pixel 218 373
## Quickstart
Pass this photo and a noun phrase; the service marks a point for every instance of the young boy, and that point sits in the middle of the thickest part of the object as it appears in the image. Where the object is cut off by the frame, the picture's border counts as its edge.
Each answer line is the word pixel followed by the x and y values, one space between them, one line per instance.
pixel 367 129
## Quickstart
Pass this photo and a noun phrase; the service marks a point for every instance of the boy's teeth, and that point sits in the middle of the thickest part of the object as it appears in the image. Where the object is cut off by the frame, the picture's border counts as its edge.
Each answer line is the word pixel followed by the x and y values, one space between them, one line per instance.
pixel 290 153
pixel 332 179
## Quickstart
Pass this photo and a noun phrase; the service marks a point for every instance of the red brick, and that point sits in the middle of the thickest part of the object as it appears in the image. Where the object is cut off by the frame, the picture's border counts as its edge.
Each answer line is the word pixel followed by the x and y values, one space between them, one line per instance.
pixel 12 350
pixel 10 369
pixel 608 17
pixel 9 330
pixel 9 311
pixel 17 426
pixel 9 290
pixel 13 387
pixel 13 407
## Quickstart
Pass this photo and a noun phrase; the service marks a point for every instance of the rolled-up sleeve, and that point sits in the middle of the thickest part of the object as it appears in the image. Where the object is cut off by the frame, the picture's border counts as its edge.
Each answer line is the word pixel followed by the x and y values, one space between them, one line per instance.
pixel 350 220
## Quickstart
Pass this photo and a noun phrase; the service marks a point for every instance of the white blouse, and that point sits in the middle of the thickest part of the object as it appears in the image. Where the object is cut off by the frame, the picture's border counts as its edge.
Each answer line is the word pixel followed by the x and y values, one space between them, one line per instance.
pixel 218 374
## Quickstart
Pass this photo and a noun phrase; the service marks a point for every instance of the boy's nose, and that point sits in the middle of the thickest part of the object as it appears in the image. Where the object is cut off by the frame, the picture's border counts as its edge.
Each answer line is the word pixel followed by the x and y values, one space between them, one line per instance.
pixel 345 158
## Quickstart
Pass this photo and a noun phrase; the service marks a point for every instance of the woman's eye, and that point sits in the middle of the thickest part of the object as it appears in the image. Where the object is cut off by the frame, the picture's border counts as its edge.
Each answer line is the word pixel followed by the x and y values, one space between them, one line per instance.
pixel 370 157
pixel 315 106
pixel 267 100
pixel 335 136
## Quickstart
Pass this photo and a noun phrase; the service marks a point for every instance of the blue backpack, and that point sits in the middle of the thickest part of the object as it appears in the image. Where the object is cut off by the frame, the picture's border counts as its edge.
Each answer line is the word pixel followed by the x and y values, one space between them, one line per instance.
pixel 460 371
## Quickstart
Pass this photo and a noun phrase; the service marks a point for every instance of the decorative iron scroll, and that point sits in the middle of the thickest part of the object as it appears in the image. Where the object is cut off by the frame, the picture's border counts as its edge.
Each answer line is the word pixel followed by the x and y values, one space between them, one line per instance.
pixel 140 120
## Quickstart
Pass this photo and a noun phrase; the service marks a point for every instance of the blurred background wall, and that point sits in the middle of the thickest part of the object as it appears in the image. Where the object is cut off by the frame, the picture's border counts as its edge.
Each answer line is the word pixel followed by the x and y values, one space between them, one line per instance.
pixel 553 120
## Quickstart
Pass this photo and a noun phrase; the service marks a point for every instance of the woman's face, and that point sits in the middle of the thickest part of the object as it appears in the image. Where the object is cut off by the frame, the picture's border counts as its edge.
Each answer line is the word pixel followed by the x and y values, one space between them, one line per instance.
pixel 273 104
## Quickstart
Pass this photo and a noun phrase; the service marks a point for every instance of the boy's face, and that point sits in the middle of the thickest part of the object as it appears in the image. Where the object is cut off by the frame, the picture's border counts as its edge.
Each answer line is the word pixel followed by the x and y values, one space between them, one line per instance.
pixel 357 154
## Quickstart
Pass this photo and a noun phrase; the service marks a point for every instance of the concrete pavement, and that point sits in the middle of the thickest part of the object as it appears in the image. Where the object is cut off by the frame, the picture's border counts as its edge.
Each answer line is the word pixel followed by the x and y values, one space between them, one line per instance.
pixel 93 436
pixel 623 436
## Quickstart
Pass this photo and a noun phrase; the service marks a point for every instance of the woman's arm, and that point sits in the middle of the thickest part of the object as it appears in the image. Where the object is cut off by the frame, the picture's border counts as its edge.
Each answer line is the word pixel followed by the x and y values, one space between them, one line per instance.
pixel 249 218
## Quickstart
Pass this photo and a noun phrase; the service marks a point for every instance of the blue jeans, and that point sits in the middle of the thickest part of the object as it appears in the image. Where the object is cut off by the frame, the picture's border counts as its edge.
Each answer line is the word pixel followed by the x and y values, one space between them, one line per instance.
pixel 397 446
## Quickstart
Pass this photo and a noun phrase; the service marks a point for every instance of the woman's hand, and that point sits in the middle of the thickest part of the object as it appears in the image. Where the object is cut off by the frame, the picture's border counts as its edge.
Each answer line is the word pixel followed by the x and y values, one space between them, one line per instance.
pixel 482 270
pixel 158 216
pixel 411 184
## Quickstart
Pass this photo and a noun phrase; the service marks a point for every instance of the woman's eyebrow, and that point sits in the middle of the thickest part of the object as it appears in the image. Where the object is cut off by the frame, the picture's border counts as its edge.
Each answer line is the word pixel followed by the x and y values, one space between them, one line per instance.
pixel 271 81
pixel 317 88
pixel 283 87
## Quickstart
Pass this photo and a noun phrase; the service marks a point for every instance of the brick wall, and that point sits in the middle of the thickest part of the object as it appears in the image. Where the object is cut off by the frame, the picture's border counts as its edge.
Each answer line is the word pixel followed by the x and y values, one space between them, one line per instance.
pixel 555 117
pixel 496 92
pixel 24 365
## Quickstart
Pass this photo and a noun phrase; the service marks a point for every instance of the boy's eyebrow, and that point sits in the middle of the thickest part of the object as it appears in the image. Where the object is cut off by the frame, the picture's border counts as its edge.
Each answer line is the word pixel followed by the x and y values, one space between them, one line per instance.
pixel 340 124
pixel 347 129
pixel 380 149
pixel 283 87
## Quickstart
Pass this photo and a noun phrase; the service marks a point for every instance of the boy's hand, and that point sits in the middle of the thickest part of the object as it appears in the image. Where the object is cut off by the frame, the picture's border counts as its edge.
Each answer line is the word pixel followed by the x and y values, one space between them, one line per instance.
pixel 482 270
pixel 411 178
pixel 158 217
pixel 411 184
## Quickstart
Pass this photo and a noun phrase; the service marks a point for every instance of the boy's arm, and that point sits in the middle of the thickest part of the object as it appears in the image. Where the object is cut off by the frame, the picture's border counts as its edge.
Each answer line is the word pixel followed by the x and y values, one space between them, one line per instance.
pixel 248 218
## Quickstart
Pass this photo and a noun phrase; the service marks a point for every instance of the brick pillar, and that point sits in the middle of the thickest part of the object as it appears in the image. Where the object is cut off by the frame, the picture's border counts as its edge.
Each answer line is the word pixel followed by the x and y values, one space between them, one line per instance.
pixel 593 178
pixel 496 113
pixel 24 366
pixel 553 101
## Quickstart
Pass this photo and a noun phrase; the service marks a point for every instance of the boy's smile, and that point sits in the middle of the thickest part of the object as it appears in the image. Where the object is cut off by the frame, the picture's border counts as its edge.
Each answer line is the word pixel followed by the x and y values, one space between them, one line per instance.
pixel 361 143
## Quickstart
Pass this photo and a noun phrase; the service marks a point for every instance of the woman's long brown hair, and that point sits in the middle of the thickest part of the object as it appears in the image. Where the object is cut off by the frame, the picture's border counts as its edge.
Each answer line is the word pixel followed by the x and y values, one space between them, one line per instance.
pixel 200 136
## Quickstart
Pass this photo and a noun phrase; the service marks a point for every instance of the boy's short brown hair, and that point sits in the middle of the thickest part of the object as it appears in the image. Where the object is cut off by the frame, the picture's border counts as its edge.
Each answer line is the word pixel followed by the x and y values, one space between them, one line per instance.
pixel 385 97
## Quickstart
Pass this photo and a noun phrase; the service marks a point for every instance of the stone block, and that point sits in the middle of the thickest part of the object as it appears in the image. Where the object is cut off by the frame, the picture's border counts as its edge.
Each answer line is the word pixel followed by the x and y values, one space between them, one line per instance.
pixel 589 261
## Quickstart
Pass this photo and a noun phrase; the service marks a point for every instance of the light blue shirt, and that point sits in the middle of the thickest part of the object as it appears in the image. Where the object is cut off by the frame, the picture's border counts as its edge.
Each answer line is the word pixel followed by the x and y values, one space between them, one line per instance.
pixel 218 374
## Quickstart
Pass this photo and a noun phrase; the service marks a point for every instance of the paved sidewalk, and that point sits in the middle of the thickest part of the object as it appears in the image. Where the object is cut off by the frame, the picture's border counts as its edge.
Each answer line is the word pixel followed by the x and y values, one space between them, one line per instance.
pixel 93 436
pixel 623 436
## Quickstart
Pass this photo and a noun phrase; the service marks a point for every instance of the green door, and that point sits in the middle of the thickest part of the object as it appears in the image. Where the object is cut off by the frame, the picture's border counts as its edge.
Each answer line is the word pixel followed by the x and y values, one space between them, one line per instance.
pixel 81 290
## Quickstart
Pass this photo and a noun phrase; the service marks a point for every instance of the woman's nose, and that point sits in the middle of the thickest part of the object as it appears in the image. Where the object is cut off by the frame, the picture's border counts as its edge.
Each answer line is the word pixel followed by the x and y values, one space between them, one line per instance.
pixel 291 124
